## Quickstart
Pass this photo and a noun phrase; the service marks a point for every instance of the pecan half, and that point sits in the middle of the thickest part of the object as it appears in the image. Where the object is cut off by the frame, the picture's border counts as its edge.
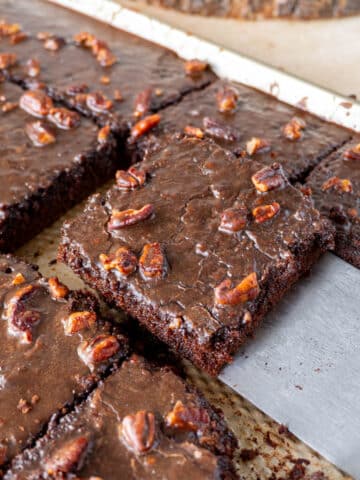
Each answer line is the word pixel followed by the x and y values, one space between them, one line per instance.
pixel 293 129
pixel 98 350
pixel 64 118
pixel 195 67
pixel 57 289
pixel 125 218
pixel 152 262
pixel 257 145
pixel 130 179
pixel 144 125
pixel 104 134
pixel 187 417
pixel 219 130
pixel 234 219
pixel 32 67
pixel 124 261
pixel 265 212
pixel 69 457
pixel 226 99
pixel 142 102
pixel 340 185
pixel 21 321
pixel 247 289
pixel 54 43
pixel 353 153
pixel 40 133
pixel 193 131
pixel 138 431
pixel 36 103
pixel 98 102
pixel 7 60
pixel 269 178
pixel 78 321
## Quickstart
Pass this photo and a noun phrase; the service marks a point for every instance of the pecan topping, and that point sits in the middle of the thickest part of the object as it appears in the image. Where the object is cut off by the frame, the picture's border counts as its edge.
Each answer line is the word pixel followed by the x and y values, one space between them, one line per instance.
pixel 193 131
pixel 104 134
pixel 32 67
pixel 69 457
pixel 18 37
pixel 353 153
pixel 340 185
pixel 8 29
pixel 64 118
pixel 24 406
pixel 98 102
pixel 105 80
pixel 124 218
pixel 40 133
pixel 57 289
pixel 218 130
pixel 138 431
pixel 183 417
pixel 142 102
pixel 195 67
pixel 99 48
pixel 226 99
pixel 36 103
pixel 257 145
pixel 152 262
pixel 268 178
pixel 105 57
pixel 21 321
pixel 124 261
pixel 18 279
pixel 265 212
pixel 54 43
pixel 144 125
pixel 9 106
pixel 247 289
pixel 78 321
pixel 293 129
pixel 73 90
pixel 118 95
pixel 234 219
pixel 7 60
pixel 130 179
pixel 85 39
pixel 43 35
pixel 98 350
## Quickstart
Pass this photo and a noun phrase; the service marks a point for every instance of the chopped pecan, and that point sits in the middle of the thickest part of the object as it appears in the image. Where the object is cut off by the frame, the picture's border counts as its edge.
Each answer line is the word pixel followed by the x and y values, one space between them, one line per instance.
pixel 8 29
pixel 184 417
pixel 18 37
pixel 152 262
pixel 125 218
pixel 293 129
pixel 85 39
pixel 247 289
pixel 69 457
pixel 7 60
pixel 32 67
pixel 98 350
pixel 98 102
pixel 138 431
pixel 9 106
pixel 24 406
pixel 20 320
pixel 219 130
pixel 43 35
pixel 257 145
pixel 57 289
pixel 305 190
pixel 193 131
pixel 36 103
pixel 234 219
pixel 73 90
pixel 195 67
pixel 142 102
pixel 18 279
pixel 54 43
pixel 105 57
pixel 118 95
pixel 353 153
pixel 144 125
pixel 40 133
pixel 340 185
pixel 123 260
pixel 265 212
pixel 130 179
pixel 64 118
pixel 105 80
pixel 226 99
pixel 104 134
pixel 269 178
pixel 78 321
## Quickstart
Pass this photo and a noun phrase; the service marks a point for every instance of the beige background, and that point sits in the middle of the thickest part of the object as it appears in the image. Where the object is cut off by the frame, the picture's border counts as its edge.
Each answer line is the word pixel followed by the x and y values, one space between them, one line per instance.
pixel 325 52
